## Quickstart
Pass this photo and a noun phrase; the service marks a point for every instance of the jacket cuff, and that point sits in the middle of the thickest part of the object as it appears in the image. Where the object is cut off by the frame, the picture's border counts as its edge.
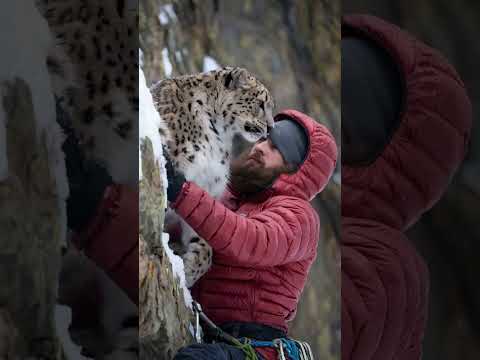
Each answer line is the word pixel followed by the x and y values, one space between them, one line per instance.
pixel 188 199
pixel 112 233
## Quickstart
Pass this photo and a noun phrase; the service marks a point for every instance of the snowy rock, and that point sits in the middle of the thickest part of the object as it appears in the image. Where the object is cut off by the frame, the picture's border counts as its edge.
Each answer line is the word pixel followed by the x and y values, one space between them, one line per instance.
pixel 167 65
pixel 166 14
pixel 63 318
pixel 178 270
pixel 210 64
pixel 164 301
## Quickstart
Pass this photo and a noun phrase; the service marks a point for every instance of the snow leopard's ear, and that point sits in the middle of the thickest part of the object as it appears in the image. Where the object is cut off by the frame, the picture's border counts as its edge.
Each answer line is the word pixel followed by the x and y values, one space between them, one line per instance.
pixel 239 78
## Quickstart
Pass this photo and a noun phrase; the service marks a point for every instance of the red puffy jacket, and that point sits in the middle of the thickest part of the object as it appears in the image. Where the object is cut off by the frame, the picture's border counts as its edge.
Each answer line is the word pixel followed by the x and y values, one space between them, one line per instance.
pixel 110 240
pixel 263 246
pixel 384 280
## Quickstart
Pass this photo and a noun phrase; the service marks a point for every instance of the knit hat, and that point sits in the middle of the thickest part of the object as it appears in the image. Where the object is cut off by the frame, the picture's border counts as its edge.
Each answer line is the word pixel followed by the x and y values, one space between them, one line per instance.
pixel 290 138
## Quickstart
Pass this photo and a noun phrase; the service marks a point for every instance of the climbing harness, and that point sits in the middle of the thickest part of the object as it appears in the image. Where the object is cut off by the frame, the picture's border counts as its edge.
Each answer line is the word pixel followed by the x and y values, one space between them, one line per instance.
pixel 288 349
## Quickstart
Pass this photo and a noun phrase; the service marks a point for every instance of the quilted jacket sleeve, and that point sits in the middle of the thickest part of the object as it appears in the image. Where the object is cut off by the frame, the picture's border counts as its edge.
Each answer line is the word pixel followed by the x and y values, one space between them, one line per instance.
pixel 384 293
pixel 286 231
pixel 111 238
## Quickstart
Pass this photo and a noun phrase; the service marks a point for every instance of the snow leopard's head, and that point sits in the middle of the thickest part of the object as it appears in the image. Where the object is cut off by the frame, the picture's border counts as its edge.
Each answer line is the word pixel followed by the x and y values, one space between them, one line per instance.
pixel 246 104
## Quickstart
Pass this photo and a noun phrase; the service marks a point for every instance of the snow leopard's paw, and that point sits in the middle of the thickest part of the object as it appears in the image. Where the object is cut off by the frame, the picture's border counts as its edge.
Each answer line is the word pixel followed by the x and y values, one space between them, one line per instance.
pixel 197 260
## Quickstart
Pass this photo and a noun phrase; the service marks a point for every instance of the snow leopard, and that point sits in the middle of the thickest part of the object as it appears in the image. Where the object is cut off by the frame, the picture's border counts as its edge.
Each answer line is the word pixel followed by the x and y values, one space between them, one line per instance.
pixel 204 117
pixel 93 65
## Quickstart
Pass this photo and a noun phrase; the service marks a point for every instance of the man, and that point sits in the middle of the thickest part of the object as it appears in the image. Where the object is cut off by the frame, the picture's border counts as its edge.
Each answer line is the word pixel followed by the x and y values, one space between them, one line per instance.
pixel 263 232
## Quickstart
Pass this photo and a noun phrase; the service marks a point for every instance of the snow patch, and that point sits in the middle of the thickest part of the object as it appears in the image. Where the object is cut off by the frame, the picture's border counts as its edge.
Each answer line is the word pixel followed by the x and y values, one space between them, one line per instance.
pixel 140 57
pixel 178 270
pixel 63 318
pixel 210 64
pixel 149 123
pixel 167 65
pixel 26 59
pixel 166 14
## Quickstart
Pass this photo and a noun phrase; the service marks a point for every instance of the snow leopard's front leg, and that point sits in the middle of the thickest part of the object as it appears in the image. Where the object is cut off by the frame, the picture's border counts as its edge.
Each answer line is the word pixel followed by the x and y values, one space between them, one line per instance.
pixel 213 181
pixel 197 260
pixel 195 251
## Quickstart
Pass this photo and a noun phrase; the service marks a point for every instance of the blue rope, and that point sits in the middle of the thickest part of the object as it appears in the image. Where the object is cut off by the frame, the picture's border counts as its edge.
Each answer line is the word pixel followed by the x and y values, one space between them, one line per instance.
pixel 290 346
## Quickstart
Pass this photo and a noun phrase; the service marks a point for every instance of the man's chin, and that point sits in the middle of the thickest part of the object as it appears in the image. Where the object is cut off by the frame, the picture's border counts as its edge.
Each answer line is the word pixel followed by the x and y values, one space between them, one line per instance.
pixel 250 182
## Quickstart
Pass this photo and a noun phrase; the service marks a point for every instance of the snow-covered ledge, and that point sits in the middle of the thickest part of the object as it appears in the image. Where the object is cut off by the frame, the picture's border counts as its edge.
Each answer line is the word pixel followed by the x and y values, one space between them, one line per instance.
pixel 165 303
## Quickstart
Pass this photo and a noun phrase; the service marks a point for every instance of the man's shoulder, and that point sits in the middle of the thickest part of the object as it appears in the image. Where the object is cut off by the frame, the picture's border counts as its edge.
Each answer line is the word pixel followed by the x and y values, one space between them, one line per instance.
pixel 291 202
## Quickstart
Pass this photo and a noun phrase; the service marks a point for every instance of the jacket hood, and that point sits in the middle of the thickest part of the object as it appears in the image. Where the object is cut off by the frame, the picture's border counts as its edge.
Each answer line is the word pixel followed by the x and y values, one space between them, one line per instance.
pixel 313 174
pixel 425 150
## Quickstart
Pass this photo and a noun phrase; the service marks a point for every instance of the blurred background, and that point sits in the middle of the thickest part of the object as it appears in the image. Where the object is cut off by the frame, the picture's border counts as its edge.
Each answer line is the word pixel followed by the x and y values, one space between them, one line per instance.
pixel 448 236
pixel 293 47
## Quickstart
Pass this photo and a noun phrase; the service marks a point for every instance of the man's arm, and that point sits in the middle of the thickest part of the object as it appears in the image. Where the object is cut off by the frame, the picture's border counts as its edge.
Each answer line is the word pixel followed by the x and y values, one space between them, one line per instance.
pixel 110 239
pixel 384 293
pixel 285 232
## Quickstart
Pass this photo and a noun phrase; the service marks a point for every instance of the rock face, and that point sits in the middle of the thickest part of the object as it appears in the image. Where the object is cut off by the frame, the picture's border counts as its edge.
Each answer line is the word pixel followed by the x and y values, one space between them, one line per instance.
pixel 31 239
pixel 164 317
pixel 448 236
pixel 293 47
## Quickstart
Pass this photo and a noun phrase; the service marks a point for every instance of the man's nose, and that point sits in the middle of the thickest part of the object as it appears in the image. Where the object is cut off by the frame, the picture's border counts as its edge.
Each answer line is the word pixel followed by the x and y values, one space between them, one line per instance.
pixel 260 148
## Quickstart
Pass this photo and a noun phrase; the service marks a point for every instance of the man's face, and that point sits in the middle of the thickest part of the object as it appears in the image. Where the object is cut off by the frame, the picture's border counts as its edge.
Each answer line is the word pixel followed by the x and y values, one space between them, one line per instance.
pixel 264 155
pixel 257 167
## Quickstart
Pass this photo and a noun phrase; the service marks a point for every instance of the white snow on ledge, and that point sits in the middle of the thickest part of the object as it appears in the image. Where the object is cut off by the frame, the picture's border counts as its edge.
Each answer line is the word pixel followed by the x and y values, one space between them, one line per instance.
pixel 178 270
pixel 167 65
pixel 63 318
pixel 210 64
pixel 140 57
pixel 149 123
pixel 166 14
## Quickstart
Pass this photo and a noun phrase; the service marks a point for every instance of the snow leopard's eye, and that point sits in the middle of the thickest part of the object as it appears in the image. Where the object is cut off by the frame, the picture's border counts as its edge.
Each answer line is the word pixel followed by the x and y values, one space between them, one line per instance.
pixel 262 106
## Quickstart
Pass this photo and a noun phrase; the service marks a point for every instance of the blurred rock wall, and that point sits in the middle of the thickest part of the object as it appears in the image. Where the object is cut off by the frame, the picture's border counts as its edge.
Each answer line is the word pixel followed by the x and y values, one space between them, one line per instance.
pixel 293 48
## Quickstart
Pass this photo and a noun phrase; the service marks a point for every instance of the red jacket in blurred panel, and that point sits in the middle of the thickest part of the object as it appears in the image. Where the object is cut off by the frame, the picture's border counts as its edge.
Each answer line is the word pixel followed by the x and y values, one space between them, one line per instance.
pixel 384 280
pixel 111 238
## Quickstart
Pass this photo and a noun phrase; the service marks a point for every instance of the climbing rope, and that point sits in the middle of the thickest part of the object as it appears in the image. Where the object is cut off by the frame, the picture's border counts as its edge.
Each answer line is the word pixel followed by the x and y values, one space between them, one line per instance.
pixel 288 349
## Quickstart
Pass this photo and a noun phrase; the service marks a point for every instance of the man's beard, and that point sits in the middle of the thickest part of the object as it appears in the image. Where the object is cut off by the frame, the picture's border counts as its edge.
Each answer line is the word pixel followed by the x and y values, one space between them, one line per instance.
pixel 249 177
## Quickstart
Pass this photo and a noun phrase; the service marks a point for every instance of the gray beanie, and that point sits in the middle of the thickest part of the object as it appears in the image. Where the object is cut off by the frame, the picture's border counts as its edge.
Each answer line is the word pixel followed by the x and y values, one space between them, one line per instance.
pixel 290 138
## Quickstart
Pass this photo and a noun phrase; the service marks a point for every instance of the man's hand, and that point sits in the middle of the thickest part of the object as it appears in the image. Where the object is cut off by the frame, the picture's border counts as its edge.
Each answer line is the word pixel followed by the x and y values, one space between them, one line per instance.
pixel 87 180
pixel 175 178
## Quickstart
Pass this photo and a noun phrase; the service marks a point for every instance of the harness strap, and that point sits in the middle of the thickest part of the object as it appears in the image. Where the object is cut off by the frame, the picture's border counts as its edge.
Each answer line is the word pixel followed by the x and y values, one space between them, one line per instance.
pixel 288 349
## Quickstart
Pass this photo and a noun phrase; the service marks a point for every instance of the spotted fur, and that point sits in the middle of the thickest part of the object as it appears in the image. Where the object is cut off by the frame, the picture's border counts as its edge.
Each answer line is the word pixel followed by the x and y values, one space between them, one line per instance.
pixel 94 67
